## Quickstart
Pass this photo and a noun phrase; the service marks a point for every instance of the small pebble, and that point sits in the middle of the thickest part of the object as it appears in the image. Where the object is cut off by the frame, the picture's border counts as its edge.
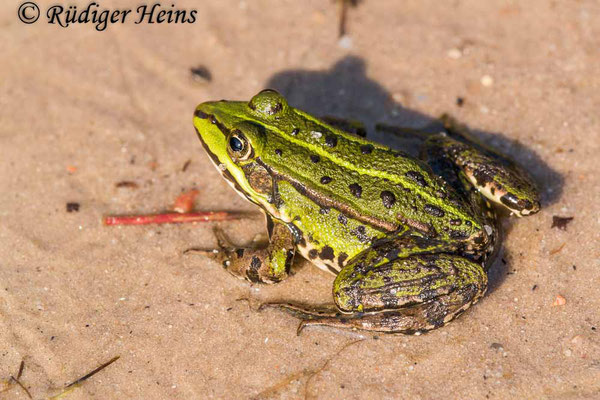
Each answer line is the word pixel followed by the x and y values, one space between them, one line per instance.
pixel 568 353
pixel 559 301
pixel 497 346
pixel 454 53
pixel 487 81
pixel 72 207
pixel 201 74
pixel 345 42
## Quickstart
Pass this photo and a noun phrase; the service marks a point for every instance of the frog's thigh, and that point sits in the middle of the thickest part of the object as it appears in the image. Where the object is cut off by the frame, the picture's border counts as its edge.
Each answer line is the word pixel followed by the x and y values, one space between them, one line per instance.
pixel 267 265
pixel 412 294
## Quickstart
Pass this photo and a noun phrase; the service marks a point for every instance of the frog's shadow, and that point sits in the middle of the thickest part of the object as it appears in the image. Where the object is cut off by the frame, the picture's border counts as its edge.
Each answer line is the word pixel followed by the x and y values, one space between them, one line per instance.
pixel 345 91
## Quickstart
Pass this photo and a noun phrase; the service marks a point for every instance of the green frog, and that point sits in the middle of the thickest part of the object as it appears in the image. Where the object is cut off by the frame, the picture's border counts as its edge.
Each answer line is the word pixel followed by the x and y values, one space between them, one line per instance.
pixel 408 239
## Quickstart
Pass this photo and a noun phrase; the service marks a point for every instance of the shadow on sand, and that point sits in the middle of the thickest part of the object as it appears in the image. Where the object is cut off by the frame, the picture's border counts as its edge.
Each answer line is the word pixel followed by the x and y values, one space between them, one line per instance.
pixel 345 91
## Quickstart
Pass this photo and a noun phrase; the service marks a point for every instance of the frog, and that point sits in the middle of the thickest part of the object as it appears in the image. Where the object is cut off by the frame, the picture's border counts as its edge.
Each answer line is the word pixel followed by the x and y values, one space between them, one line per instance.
pixel 409 239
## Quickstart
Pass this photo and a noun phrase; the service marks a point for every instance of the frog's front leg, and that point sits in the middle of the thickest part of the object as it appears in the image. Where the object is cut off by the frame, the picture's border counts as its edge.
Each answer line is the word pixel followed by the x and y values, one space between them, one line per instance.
pixel 270 264
pixel 377 291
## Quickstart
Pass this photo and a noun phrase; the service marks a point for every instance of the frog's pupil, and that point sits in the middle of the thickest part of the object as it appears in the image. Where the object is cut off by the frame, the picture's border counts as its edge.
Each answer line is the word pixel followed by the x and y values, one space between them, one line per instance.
pixel 236 144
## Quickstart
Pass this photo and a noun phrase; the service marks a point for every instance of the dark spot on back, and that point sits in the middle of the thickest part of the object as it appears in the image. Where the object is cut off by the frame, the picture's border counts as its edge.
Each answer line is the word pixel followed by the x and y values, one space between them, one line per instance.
pixel 356 190
pixel 343 220
pixel 315 158
pixel 312 254
pixel 324 210
pixel 239 253
pixel 416 177
pixel 366 148
pixel 361 233
pixel 435 211
pixel 278 152
pixel 327 253
pixel 331 140
pixel 325 180
pixel 388 198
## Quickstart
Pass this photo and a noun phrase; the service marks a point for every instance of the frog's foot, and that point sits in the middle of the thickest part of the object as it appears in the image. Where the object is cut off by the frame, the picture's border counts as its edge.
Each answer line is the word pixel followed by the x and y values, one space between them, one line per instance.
pixel 308 314
pixel 270 264
pixel 413 320
pixel 408 321
pixel 496 177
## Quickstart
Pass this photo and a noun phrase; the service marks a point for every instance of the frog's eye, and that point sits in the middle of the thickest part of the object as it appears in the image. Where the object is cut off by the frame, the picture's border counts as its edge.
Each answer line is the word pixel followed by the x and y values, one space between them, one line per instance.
pixel 238 146
pixel 269 103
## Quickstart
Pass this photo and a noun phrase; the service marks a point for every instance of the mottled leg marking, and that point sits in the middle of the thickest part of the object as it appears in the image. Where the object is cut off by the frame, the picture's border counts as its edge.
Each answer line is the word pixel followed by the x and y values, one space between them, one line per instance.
pixel 266 265
pixel 496 177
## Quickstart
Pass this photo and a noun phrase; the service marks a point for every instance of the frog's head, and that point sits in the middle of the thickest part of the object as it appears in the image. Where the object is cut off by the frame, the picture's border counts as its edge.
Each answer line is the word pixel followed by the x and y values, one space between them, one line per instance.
pixel 234 134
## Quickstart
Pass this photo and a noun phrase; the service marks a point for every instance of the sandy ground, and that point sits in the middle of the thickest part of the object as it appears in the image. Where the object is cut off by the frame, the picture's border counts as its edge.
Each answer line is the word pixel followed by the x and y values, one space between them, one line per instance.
pixel 81 110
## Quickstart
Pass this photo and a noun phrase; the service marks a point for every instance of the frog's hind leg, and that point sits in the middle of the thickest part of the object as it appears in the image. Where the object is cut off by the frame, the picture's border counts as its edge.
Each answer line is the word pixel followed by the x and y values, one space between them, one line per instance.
pixel 411 294
pixel 496 177
pixel 270 264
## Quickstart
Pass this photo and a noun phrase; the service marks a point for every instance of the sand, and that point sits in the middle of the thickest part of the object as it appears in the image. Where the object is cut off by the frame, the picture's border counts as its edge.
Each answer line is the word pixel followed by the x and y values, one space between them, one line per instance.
pixel 82 110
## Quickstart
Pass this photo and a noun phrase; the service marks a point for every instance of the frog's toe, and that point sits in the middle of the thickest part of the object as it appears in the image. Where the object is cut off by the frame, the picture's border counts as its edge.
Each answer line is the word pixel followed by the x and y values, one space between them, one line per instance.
pixel 520 206
pixel 332 322
pixel 309 315
pixel 302 311
pixel 322 315
pixel 212 253
pixel 505 186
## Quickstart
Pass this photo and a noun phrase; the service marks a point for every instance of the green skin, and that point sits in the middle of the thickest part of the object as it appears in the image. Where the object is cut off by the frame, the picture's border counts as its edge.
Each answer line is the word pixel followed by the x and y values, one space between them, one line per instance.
pixel 409 239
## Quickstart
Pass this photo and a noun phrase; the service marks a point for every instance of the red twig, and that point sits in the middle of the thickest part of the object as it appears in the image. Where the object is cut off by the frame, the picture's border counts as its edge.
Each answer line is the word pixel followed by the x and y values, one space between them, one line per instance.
pixel 170 218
